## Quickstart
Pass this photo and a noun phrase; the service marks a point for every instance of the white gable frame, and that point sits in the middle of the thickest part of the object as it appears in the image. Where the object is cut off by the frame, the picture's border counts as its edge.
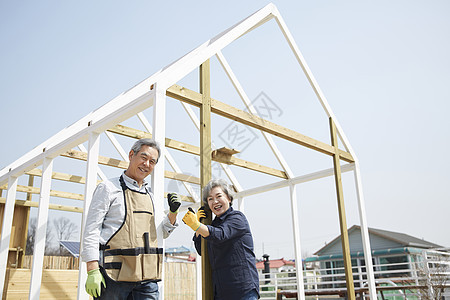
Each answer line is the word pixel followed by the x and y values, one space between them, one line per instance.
pixel 152 92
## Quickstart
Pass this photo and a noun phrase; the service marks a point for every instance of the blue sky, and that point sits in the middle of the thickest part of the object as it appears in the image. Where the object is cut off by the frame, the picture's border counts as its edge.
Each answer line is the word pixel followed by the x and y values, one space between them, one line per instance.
pixel 383 67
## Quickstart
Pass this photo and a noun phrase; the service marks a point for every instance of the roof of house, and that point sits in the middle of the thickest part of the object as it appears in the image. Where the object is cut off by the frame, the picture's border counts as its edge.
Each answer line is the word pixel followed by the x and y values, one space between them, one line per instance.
pixel 275 263
pixel 72 246
pixel 404 239
pixel 177 250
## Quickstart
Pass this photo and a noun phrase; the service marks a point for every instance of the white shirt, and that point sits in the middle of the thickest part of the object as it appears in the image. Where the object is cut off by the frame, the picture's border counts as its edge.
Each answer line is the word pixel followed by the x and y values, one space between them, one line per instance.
pixel 107 212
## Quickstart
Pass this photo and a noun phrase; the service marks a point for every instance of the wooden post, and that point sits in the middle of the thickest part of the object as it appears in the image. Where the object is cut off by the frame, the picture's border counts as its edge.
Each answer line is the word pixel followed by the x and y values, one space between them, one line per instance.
pixel 25 223
pixel 342 218
pixel 205 169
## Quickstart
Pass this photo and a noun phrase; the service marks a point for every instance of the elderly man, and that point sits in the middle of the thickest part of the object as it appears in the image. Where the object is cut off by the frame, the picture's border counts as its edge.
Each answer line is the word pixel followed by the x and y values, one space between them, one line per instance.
pixel 120 244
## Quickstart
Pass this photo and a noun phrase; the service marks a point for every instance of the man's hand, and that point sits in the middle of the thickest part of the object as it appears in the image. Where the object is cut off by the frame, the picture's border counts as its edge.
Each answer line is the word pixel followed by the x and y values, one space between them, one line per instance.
pixel 174 202
pixel 191 219
pixel 94 283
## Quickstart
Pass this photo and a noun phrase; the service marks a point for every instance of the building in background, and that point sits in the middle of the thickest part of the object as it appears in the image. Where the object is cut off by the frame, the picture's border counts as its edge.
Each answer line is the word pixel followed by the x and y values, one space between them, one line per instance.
pixel 180 254
pixel 398 260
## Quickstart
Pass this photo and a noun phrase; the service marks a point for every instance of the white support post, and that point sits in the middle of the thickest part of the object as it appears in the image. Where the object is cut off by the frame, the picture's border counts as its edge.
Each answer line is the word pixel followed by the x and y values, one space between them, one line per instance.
pixel 241 205
pixel 41 230
pixel 117 145
pixel 365 233
pixel 426 267
pixel 159 135
pixel 198 274
pixel 297 180
pixel 170 159
pixel 91 183
pixel 8 213
pixel 99 171
pixel 297 247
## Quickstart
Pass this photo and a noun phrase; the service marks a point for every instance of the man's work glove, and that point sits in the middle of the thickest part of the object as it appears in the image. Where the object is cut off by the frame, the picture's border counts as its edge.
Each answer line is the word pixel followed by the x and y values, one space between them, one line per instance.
pixel 174 202
pixel 94 283
pixel 191 219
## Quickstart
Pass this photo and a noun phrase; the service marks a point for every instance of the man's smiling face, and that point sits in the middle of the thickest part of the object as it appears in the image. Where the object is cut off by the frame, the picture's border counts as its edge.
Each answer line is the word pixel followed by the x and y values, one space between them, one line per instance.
pixel 142 163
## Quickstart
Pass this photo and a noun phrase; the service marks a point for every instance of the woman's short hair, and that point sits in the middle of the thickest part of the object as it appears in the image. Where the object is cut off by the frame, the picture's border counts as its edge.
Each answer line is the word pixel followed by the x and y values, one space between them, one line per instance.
pixel 146 142
pixel 226 188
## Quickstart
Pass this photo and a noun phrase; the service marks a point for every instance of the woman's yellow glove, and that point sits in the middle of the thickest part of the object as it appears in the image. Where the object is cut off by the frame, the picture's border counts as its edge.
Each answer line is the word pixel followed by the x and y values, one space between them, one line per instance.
pixel 191 219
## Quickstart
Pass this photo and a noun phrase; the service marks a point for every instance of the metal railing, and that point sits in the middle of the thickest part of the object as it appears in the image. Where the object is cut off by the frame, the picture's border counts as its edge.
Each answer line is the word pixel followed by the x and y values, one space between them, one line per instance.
pixel 426 278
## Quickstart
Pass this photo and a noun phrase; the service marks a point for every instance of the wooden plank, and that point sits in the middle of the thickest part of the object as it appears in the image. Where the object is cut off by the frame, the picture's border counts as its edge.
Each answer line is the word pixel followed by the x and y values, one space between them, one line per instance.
pixel 103 160
pixel 191 149
pixel 231 160
pixel 180 281
pixel 138 134
pixel 112 162
pixel 205 169
pixel 342 218
pixel 225 110
pixel 182 177
pixel 56 284
pixel 59 194
pixel 60 176
pixel 51 206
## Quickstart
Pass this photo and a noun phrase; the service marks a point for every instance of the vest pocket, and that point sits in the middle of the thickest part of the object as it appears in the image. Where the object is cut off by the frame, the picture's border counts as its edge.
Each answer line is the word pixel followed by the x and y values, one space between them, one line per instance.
pixel 131 269
pixel 151 266
pixel 142 221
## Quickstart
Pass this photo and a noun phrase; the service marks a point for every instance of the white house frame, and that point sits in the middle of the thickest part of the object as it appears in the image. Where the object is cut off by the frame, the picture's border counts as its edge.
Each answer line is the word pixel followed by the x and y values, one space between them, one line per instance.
pixel 153 92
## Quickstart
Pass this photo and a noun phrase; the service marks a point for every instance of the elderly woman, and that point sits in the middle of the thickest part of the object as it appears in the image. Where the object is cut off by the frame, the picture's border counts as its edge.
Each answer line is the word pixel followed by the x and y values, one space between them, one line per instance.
pixel 230 244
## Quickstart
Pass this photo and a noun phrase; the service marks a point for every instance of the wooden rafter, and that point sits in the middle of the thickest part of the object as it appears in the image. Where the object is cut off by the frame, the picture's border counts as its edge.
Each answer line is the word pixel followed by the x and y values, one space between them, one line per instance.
pixel 72 196
pixel 112 162
pixel 230 112
pixel 139 134
pixel 36 190
pixel 60 176
pixel 50 206
pixel 177 145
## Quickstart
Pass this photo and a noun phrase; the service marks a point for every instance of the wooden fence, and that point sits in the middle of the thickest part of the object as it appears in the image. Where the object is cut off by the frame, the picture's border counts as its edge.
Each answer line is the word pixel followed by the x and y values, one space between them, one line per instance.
pixel 60 280
pixel 180 281
pixel 54 262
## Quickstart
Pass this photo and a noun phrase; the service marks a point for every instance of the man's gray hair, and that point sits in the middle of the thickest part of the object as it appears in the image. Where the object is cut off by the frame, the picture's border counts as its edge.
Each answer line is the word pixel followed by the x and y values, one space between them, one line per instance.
pixel 146 142
pixel 226 188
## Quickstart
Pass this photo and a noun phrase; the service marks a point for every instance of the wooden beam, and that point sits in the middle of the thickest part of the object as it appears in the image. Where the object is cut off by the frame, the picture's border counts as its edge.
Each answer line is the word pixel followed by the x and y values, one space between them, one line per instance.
pixel 182 177
pixel 103 160
pixel 177 145
pixel 219 156
pixel 205 169
pixel 60 176
pixel 112 162
pixel 139 134
pixel 25 222
pixel 36 190
pixel 50 206
pixel 225 110
pixel 73 196
pixel 342 218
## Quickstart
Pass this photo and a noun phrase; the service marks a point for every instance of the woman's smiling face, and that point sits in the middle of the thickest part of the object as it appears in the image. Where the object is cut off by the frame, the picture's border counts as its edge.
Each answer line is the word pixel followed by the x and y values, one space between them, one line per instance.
pixel 218 201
